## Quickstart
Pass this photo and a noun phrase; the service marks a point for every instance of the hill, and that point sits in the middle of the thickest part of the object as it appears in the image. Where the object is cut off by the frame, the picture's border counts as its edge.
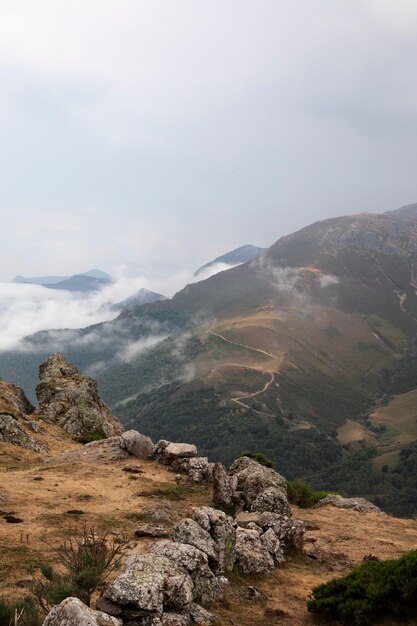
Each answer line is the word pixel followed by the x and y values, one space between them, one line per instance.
pixel 85 282
pixel 234 257
pixel 291 354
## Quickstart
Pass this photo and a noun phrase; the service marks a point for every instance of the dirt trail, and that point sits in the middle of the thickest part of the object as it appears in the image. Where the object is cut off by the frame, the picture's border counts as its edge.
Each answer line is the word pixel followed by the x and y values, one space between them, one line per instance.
pixel 239 399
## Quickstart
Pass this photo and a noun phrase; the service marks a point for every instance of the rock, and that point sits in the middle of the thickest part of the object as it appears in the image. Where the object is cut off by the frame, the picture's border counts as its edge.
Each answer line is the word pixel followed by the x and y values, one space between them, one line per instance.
pixel 273 545
pixel 290 532
pixel 222 488
pixel 147 530
pixel 221 528
pixel 176 619
pixel 151 582
pixel 103 451
pixel 72 612
pixel 188 531
pixel 14 402
pixel 166 451
pixel 137 444
pixel 189 557
pixel 252 555
pixel 133 469
pixel 70 399
pixel 258 488
pixel 108 607
pixel 244 518
pixel 162 512
pixel 11 431
pixel 209 590
pixel 201 616
pixel 357 504
pixel 322 550
pixel 198 468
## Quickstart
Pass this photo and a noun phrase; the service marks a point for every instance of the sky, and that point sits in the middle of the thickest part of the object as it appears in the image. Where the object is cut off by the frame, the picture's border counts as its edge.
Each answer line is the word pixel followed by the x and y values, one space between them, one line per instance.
pixel 146 137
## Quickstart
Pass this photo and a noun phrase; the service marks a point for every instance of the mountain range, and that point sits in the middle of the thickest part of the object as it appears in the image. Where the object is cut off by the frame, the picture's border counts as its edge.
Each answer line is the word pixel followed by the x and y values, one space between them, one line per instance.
pixel 234 257
pixel 306 353
pixel 86 282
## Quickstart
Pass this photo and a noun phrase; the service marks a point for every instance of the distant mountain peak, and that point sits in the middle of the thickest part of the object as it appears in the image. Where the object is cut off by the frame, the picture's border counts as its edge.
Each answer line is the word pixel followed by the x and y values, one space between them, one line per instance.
pixel 237 256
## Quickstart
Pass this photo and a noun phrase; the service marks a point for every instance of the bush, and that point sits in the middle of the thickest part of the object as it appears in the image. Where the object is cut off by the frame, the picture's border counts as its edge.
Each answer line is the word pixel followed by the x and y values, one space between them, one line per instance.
pixel 301 494
pixel 374 590
pixel 258 456
pixel 88 558
pixel 95 435
pixel 23 612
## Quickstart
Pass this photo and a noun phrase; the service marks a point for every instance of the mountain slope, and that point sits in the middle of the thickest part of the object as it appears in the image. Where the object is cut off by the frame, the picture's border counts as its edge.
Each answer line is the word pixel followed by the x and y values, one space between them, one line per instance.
pixel 288 354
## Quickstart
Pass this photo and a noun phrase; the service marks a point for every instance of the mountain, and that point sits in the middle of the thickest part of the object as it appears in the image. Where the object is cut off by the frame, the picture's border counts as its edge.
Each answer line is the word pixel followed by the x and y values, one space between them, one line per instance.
pixel 306 353
pixel 235 257
pixel 142 296
pixel 87 281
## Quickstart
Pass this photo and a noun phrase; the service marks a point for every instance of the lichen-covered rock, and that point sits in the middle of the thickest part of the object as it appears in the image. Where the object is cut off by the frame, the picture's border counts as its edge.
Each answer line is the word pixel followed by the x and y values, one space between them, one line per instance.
pixel 103 451
pixel 209 590
pixel 198 468
pixel 189 531
pixel 273 545
pixel 252 555
pixel 13 401
pixel 137 444
pixel 221 528
pixel 71 399
pixel 11 431
pixel 189 557
pixel 290 532
pixel 201 616
pixel 357 504
pixel 258 488
pixel 147 530
pixel 222 487
pixel 151 583
pixel 176 619
pixel 72 612
pixel 167 452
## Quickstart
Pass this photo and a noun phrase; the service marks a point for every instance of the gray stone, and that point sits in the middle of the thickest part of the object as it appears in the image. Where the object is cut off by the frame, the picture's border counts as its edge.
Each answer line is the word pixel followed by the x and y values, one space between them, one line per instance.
pixel 221 528
pixel 245 517
pixel 357 504
pixel 147 530
pixel 150 582
pixel 222 488
pixel 201 616
pixel 290 532
pixel 176 619
pixel 167 451
pixel 137 444
pixel 187 556
pixel 72 612
pixel 68 398
pixel 273 545
pixel 252 555
pixel 209 590
pixel 188 531
pixel 12 432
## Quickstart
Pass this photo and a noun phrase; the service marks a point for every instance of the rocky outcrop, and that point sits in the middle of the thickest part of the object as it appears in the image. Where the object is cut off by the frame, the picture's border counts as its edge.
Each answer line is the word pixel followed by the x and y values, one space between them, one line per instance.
pixel 11 431
pixel 15 409
pixel 250 486
pixel 358 504
pixel 70 399
pixel 182 458
pixel 72 612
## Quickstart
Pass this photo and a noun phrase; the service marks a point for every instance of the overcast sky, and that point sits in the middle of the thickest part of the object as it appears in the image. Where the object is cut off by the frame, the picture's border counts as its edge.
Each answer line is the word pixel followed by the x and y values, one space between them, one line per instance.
pixel 156 134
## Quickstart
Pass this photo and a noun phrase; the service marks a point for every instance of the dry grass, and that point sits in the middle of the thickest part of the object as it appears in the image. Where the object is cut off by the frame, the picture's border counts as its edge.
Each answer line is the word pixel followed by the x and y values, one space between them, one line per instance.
pixel 108 498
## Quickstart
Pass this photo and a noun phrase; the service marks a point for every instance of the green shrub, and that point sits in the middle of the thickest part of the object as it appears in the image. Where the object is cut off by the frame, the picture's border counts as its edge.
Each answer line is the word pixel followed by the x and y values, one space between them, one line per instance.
pixel 258 456
pixel 88 558
pixel 374 590
pixel 95 435
pixel 23 612
pixel 301 494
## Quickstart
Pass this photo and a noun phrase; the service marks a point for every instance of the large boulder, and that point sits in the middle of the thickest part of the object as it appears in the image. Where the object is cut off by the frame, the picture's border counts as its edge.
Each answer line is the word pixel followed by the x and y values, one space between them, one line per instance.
pixel 137 444
pixel 198 469
pixel 70 399
pixel 221 528
pixel 72 612
pixel 252 554
pixel 151 583
pixel 14 402
pixel 12 431
pixel 167 452
pixel 258 488
pixel 190 532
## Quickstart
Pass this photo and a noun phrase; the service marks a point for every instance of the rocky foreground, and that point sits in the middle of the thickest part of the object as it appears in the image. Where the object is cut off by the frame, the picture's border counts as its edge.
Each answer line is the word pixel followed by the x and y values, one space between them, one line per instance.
pixel 208 544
